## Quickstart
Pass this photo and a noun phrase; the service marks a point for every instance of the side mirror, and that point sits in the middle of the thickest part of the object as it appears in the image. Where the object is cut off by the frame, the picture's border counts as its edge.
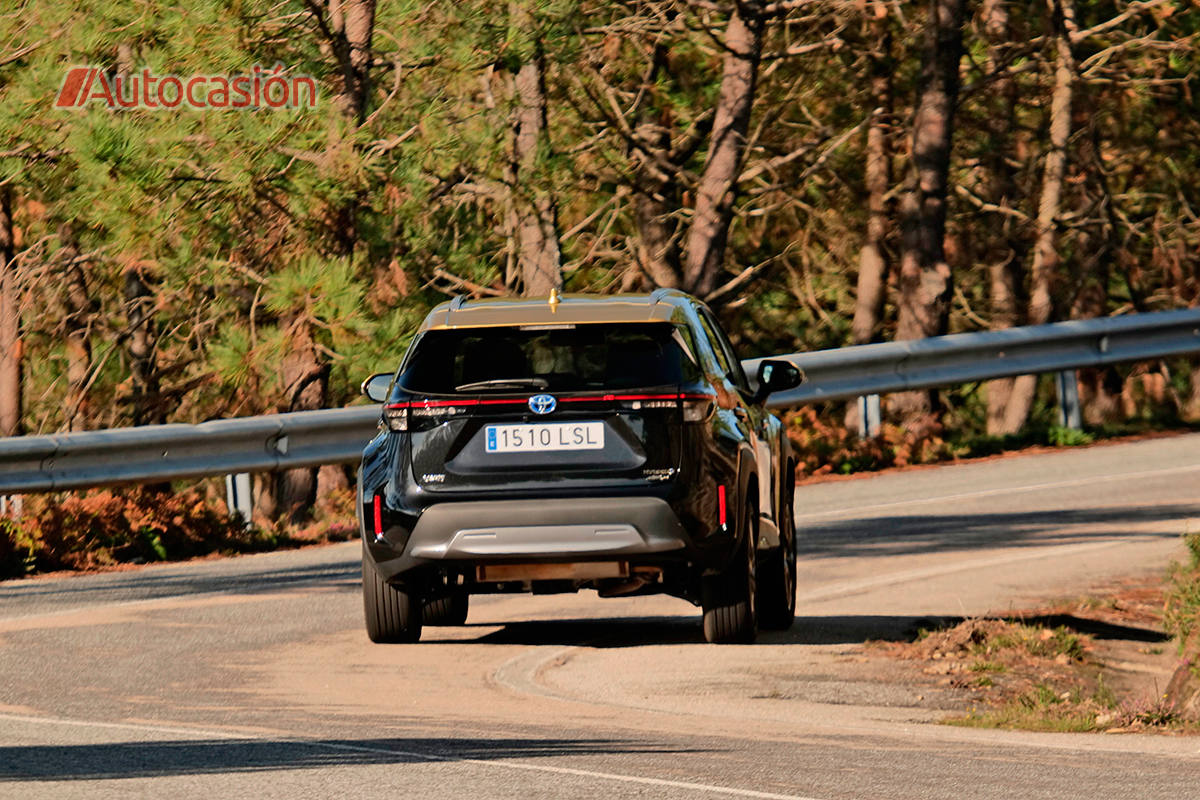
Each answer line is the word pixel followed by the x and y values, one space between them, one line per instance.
pixel 376 386
pixel 776 375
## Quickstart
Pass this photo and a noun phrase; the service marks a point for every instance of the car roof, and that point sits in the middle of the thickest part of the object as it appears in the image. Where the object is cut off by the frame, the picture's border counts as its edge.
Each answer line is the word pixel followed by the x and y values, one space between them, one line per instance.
pixel 661 305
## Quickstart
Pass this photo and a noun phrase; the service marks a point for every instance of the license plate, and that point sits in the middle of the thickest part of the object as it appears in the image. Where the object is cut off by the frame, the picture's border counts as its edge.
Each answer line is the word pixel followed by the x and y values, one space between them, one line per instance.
pixel 545 437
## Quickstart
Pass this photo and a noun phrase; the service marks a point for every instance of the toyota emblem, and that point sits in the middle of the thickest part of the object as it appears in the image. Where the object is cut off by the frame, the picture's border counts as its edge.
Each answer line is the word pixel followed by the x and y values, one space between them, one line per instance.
pixel 542 403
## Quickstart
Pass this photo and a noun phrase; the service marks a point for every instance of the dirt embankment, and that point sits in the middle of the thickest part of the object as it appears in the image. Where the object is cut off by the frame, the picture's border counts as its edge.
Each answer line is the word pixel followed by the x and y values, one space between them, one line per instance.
pixel 1103 662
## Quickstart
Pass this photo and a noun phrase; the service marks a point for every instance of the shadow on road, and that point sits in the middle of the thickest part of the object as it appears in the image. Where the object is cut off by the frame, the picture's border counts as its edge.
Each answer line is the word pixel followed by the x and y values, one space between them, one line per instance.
pixel 154 584
pixel 587 632
pixel 859 629
pixel 164 759
pixel 932 533
pixel 831 630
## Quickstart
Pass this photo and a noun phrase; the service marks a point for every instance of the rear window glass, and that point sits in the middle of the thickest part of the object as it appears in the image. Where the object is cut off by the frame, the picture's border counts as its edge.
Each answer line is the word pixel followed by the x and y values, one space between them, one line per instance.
pixel 592 356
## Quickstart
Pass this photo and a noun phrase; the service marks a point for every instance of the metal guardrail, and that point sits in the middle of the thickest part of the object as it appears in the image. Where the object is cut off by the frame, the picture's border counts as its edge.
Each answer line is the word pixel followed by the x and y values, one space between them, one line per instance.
pixel 168 452
pixel 965 357
pixel 336 436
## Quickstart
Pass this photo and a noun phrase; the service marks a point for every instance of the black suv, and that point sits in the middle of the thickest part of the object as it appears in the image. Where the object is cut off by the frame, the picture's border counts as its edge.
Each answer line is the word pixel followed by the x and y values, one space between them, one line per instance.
pixel 549 445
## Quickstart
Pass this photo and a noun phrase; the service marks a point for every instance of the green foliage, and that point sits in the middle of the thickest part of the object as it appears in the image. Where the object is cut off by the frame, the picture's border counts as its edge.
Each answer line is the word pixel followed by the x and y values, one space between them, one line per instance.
pixel 1104 695
pixel 1181 610
pixel 1037 710
pixel 1060 436
pixel 256 229
pixel 18 549
pixel 1039 642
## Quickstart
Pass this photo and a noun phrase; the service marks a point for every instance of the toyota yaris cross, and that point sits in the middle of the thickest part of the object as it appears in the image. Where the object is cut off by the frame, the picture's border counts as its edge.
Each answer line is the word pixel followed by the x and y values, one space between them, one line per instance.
pixel 577 442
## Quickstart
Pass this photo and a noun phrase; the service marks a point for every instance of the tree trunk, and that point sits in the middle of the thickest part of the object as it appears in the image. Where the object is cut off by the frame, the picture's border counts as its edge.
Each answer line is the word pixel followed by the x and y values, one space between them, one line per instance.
pixel 873 267
pixel 1005 279
pixel 142 349
pixel 353 24
pixel 306 382
pixel 655 196
pixel 1045 254
pixel 1191 410
pixel 872 261
pixel 535 213
pixel 657 249
pixel 11 344
pixel 1099 387
pixel 925 279
pixel 79 309
pixel 713 213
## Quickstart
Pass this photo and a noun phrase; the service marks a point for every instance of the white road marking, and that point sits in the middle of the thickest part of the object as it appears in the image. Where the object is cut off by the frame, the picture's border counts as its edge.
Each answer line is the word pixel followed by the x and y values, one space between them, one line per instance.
pixel 510 765
pixel 1034 554
pixel 169 597
pixel 853 511
pixel 118 604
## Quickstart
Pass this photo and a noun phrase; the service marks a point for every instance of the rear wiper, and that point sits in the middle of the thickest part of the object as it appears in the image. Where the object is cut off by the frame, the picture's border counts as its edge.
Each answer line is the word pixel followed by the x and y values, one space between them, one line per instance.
pixel 503 383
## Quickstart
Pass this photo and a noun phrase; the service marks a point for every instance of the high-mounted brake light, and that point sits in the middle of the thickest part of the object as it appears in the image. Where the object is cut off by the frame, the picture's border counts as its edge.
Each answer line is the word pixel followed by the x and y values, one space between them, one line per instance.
pixel 720 506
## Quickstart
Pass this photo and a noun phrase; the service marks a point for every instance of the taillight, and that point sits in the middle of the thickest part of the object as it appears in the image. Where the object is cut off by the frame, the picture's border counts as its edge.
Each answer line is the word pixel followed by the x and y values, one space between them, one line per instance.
pixel 697 407
pixel 426 414
pixel 396 415
pixel 720 506
pixel 378 508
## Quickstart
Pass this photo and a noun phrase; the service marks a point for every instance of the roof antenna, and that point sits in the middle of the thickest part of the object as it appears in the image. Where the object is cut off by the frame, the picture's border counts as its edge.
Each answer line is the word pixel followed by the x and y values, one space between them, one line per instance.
pixel 554 300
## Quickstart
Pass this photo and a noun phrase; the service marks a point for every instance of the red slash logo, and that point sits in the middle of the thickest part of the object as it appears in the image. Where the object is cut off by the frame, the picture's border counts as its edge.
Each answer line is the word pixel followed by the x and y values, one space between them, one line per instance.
pixel 75 87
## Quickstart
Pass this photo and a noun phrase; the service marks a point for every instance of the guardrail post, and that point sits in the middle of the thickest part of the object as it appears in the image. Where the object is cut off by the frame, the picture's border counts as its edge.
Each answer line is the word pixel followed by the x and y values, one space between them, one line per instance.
pixel 1069 415
pixel 238 496
pixel 870 418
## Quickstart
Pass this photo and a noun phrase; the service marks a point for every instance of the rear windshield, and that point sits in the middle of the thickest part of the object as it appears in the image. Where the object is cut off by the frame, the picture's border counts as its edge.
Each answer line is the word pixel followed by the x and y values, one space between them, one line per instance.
pixel 591 356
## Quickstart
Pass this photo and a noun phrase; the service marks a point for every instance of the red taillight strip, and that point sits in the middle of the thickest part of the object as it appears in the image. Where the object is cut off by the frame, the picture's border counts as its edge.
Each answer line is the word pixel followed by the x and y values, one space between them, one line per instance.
pixel 591 398
pixel 720 504
pixel 378 518
pixel 454 403
pixel 442 403
pixel 608 398
pixel 625 397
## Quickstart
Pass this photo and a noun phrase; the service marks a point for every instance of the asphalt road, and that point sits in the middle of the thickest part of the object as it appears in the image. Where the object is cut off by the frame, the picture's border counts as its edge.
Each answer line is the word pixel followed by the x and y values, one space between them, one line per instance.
pixel 252 677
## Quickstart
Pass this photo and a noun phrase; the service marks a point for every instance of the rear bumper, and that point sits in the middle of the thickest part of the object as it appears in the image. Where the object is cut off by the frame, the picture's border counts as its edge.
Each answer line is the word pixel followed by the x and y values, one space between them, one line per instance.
pixel 575 529
pixel 521 528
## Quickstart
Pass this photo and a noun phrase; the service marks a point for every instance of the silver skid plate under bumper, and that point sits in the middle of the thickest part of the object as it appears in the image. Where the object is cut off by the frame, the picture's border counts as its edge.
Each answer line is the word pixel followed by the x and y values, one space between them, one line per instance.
pixel 596 527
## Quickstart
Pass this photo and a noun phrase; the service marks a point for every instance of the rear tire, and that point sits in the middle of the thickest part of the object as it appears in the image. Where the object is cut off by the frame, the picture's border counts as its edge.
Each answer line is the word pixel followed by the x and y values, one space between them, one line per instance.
pixel 393 615
pixel 449 609
pixel 777 576
pixel 729 598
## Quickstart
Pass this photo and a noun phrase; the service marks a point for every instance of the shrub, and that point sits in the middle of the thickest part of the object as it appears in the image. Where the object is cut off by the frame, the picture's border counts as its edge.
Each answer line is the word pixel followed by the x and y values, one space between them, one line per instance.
pixel 16 549
pixel 823 447
pixel 96 529
pixel 1181 611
